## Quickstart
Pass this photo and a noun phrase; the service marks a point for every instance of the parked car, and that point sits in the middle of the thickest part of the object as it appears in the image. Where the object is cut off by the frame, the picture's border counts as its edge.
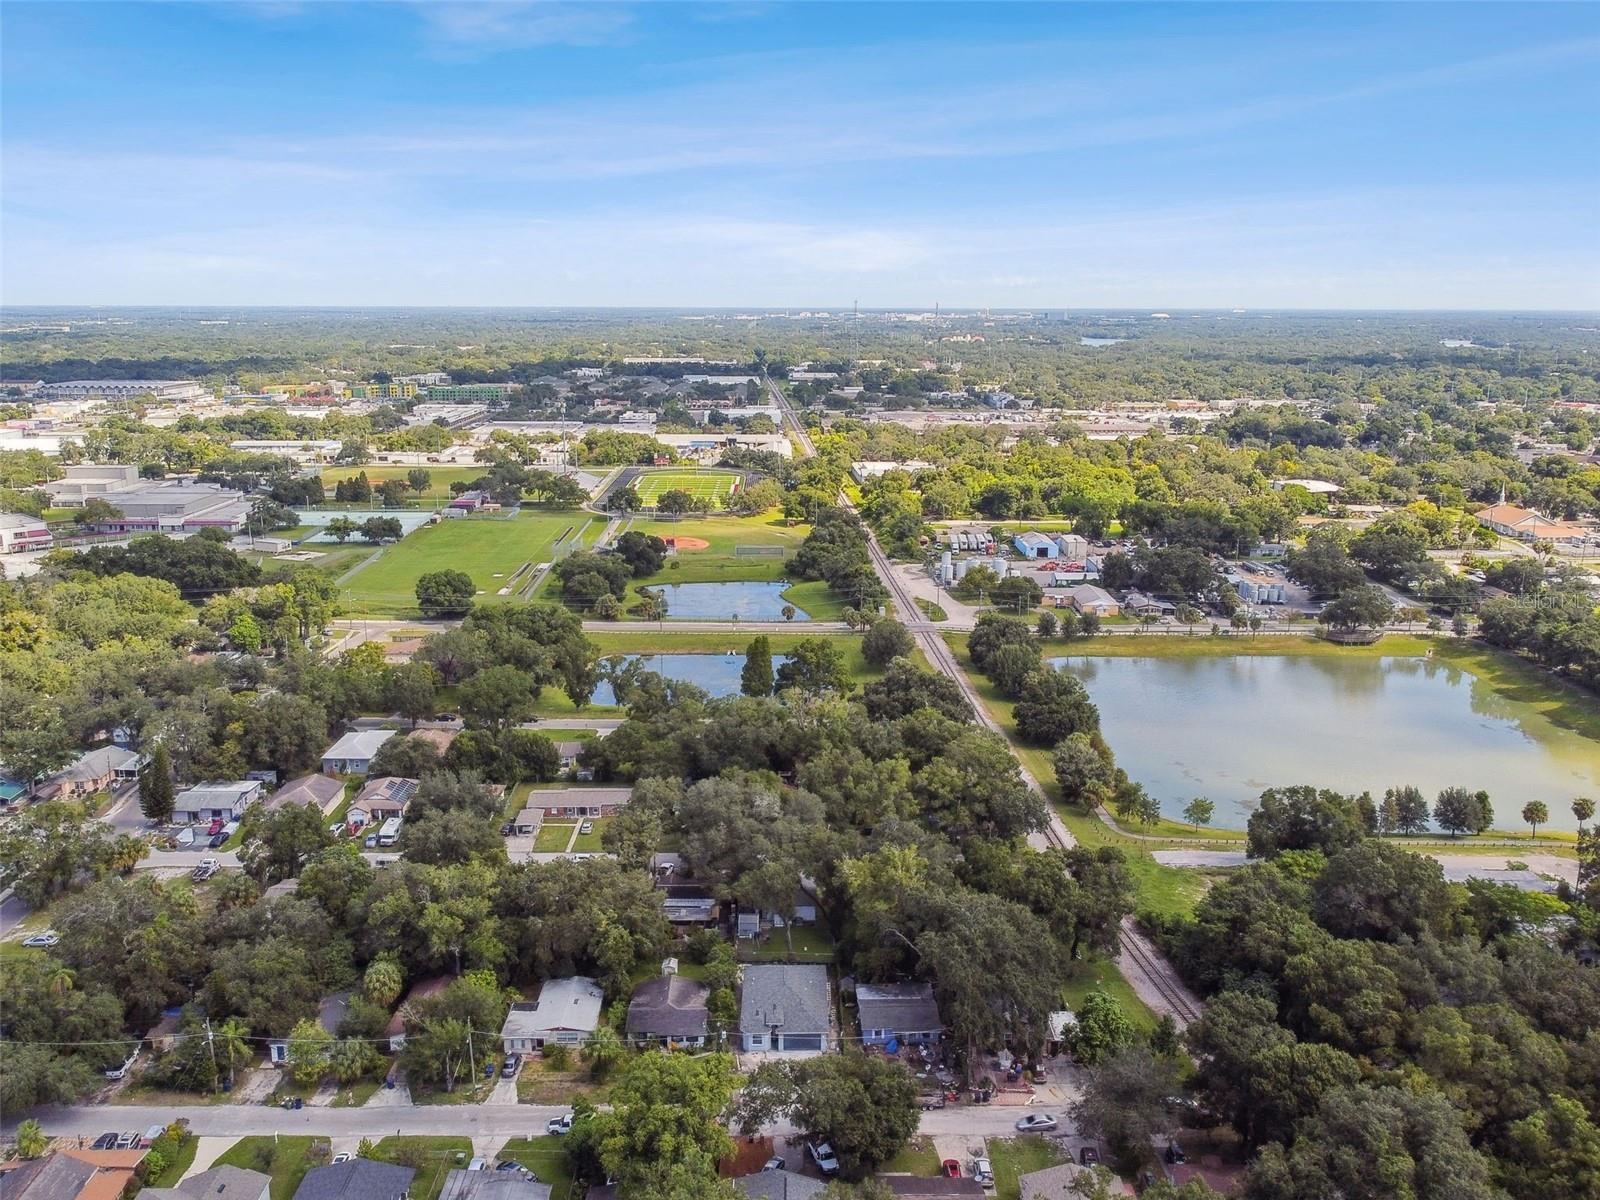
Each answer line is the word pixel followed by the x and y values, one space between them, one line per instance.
pixel 478 1164
pixel 215 827
pixel 127 1141
pixel 372 841
pixel 1089 1156
pixel 207 868
pixel 1037 1122
pixel 509 1068
pixel 217 840
pixel 822 1154
pixel 505 830
pixel 560 1126
pixel 342 1158
pixel 106 1141
pixel 1038 1073
pixel 508 1165
pixel 586 828
pixel 773 1164
pixel 1175 1153
pixel 951 1168
pixel 983 1171
pixel 42 941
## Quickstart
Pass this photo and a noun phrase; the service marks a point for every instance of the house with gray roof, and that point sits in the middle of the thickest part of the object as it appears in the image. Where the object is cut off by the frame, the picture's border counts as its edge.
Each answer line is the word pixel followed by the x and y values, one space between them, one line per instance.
pixel 780 1185
pixel 565 1014
pixel 786 1008
pixel 322 790
pixel 358 1179
pixel 1052 1183
pixel 904 1012
pixel 219 1183
pixel 225 799
pixel 352 754
pixel 493 1185
pixel 669 1010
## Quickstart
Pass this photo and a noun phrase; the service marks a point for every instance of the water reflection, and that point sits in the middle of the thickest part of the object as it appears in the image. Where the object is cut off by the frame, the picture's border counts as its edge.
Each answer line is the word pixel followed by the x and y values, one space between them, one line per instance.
pixel 1228 726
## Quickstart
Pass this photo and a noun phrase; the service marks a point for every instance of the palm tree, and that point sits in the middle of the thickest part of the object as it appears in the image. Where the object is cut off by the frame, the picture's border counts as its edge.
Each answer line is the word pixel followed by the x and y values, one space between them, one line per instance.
pixel 603 1048
pixel 1583 809
pixel 231 1041
pixel 383 981
pixel 31 1140
pixel 61 979
pixel 349 1059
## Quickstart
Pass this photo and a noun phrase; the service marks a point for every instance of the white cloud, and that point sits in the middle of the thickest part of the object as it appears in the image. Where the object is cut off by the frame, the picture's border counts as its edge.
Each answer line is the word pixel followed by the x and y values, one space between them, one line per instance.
pixel 471 27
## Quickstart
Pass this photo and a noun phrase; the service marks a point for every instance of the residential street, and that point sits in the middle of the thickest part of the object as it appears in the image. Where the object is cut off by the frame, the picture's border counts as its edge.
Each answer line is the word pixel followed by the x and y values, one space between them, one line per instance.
pixel 241 1120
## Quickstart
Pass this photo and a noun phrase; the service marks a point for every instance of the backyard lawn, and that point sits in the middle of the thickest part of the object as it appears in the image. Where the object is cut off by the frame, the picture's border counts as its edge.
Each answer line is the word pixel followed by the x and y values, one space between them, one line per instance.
pixel 432 1157
pixel 286 1158
pixel 811 944
pixel 490 549
pixel 1098 974
pixel 546 1158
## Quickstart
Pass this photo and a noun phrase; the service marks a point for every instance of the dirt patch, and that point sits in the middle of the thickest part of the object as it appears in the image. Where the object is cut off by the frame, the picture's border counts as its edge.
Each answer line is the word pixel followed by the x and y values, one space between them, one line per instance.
pixel 680 542
pixel 544 1086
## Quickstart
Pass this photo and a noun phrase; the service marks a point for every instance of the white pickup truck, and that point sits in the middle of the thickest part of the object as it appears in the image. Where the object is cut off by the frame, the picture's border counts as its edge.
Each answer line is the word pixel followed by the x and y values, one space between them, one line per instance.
pixel 207 868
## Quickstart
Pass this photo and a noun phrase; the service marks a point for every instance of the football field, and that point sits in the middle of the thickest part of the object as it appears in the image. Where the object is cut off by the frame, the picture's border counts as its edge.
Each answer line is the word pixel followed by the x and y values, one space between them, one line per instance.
pixel 702 484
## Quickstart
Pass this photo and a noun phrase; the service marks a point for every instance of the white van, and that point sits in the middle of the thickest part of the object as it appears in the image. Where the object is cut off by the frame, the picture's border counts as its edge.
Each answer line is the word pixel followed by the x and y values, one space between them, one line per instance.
pixel 390 833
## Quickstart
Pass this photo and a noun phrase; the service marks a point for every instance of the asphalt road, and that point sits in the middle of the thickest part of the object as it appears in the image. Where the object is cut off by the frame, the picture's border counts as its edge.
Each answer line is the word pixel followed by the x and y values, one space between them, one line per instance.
pixel 242 1120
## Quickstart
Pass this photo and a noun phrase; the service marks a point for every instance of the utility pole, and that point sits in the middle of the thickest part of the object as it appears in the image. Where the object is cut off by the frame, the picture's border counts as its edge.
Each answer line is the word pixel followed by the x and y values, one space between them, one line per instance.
pixel 211 1046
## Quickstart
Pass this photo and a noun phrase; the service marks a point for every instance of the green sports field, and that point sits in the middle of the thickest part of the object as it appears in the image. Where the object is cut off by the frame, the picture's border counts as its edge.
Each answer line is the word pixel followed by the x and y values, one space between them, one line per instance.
pixel 490 549
pixel 702 484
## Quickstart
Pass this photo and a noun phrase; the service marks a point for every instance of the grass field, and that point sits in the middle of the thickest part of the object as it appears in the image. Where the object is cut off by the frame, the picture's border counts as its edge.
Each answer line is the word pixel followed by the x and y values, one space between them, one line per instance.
pixel 1016 1157
pixel 439 478
pixel 490 549
pixel 701 483
pixel 721 559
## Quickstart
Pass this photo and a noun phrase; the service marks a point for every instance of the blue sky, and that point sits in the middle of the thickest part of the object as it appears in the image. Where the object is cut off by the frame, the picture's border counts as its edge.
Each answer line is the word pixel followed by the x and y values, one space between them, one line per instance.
pixel 1139 155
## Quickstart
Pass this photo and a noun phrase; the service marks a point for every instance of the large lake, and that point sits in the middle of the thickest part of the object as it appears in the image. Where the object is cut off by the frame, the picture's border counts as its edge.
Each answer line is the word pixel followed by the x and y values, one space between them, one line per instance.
pixel 1228 727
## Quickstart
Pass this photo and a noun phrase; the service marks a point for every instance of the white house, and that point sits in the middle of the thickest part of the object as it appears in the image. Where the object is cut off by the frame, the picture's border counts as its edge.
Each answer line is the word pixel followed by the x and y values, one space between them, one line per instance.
pixel 566 1013
pixel 352 754
pixel 216 798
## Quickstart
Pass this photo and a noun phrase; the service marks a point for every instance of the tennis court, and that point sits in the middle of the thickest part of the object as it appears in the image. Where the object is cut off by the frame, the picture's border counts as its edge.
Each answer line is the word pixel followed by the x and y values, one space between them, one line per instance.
pixel 708 484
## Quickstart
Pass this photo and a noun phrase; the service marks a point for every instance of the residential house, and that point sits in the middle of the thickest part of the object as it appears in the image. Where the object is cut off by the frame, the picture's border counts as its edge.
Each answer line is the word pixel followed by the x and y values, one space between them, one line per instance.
pixel 422 990
pixel 688 904
pixel 352 754
pixel 527 822
pixel 566 1013
pixel 219 1183
pixel 904 1012
pixel 1052 1183
pixel 1141 605
pixel 914 1187
pixel 163 1035
pixel 580 801
pixel 669 1010
pixel 358 1179
pixel 321 790
pixel 493 1185
pixel 381 798
pixel 95 771
pixel 71 1175
pixel 785 1007
pixel 225 799
pixel 780 1185
pixel 1087 598
pixel 330 1015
